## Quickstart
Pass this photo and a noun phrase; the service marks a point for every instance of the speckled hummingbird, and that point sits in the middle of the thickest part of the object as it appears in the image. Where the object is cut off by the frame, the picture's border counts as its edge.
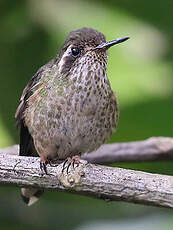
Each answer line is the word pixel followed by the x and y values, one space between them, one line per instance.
pixel 68 108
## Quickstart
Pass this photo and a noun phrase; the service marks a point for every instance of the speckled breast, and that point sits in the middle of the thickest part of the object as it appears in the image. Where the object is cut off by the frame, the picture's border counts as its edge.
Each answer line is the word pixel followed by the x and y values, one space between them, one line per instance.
pixel 72 118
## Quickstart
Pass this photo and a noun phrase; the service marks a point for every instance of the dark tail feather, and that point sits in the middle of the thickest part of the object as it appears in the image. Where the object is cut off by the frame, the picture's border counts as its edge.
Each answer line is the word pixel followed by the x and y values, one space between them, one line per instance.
pixel 31 195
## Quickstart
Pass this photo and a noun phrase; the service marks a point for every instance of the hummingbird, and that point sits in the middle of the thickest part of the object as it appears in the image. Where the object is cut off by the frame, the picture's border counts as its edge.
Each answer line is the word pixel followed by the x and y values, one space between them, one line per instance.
pixel 68 107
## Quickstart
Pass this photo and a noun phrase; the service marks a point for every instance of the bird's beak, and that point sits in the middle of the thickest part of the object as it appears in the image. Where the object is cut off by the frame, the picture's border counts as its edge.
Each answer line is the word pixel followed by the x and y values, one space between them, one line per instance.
pixel 107 45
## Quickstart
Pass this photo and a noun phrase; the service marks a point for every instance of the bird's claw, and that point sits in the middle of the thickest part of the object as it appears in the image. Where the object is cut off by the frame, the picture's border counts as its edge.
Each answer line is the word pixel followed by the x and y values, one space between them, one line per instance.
pixel 43 167
pixel 71 161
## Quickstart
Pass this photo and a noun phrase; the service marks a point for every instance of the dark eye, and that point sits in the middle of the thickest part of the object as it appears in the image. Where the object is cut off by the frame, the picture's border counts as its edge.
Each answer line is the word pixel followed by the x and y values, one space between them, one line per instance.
pixel 75 51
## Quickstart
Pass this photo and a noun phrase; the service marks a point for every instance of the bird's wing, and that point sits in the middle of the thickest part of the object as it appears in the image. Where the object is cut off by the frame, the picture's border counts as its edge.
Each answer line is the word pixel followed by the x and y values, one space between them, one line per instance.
pixel 26 141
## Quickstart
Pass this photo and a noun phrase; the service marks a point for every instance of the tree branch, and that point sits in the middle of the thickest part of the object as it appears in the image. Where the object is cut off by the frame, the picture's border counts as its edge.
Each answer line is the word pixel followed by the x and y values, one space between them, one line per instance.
pixel 102 182
pixel 112 184
pixel 152 149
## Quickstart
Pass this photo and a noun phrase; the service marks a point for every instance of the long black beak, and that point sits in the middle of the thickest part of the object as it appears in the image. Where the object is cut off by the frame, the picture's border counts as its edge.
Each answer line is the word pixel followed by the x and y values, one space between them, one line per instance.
pixel 107 45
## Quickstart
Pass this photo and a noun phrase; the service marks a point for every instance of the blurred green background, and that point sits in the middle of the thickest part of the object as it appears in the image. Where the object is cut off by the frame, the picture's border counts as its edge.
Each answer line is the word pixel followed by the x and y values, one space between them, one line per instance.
pixel 140 71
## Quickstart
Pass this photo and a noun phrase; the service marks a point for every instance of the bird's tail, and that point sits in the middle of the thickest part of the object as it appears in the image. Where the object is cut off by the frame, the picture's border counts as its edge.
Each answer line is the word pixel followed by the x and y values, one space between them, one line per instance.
pixel 31 195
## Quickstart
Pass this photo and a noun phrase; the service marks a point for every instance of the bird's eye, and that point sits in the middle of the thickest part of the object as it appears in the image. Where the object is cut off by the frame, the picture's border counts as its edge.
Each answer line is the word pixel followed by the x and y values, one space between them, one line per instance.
pixel 75 51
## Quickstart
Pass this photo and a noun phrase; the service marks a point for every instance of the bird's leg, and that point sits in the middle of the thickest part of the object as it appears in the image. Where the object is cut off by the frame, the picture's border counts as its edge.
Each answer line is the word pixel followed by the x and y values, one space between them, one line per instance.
pixel 76 160
pixel 43 162
pixel 71 161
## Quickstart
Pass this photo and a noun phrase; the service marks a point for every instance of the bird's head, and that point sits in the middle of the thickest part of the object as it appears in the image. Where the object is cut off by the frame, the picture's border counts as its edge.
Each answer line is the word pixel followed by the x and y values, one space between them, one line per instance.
pixel 83 46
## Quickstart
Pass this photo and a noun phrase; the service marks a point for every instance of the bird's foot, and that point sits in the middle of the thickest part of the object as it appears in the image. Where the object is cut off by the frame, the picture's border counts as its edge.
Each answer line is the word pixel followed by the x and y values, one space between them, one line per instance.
pixel 73 162
pixel 71 171
pixel 43 163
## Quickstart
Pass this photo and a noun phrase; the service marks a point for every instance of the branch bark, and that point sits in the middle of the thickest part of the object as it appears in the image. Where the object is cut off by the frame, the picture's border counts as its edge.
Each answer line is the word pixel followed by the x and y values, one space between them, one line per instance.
pixel 152 149
pixel 102 182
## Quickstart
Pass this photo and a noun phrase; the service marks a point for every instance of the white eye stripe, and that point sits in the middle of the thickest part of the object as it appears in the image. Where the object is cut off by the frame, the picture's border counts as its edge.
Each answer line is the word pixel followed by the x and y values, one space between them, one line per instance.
pixel 62 61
